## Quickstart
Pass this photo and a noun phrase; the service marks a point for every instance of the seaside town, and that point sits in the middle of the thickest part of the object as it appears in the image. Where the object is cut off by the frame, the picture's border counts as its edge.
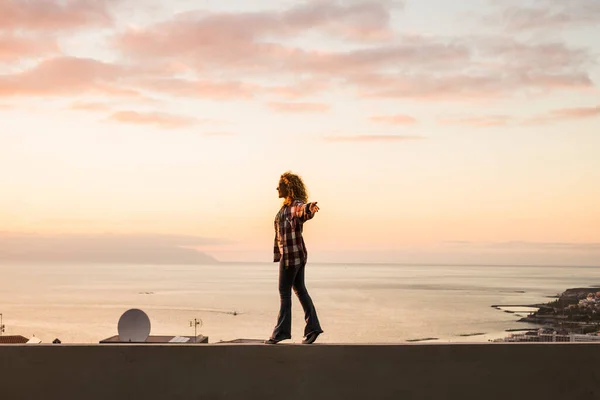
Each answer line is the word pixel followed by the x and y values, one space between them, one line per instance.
pixel 573 317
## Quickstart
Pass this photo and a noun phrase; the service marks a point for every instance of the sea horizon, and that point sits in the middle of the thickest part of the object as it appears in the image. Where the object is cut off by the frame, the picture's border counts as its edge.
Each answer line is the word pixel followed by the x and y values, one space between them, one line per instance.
pixel 421 264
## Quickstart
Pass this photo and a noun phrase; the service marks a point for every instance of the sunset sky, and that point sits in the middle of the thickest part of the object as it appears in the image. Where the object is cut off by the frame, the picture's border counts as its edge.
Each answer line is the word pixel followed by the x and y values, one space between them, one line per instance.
pixel 429 131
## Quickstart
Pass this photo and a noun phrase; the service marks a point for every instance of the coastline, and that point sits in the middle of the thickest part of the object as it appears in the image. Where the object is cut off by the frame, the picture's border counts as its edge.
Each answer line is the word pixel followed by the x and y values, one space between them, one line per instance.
pixel 573 315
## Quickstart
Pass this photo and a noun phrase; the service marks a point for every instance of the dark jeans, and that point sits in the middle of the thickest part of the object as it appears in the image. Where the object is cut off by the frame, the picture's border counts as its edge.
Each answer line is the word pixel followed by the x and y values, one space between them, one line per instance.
pixel 293 277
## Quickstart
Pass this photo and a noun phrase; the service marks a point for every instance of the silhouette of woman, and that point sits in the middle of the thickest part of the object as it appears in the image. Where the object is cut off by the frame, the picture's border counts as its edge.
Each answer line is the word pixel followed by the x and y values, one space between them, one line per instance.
pixel 290 251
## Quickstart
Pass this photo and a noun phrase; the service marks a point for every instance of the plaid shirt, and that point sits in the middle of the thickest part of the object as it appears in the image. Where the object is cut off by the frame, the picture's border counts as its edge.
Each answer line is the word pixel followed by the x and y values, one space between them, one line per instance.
pixel 289 245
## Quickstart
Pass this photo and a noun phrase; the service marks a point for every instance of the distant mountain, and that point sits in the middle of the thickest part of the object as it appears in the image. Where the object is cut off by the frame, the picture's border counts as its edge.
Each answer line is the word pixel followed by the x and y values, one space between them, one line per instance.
pixel 106 248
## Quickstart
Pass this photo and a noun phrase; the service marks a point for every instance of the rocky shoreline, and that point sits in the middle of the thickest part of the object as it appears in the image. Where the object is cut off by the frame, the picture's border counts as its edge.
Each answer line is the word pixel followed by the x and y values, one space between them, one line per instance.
pixel 576 310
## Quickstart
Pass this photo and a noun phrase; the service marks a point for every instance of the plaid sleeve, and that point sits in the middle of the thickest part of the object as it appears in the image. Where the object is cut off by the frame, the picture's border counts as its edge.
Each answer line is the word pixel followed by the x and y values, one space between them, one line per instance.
pixel 302 211
pixel 276 252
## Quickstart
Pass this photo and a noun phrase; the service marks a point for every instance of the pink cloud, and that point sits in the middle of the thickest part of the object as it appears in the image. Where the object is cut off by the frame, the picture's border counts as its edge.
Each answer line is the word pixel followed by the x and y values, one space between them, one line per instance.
pixel 503 120
pixel 565 114
pixel 547 57
pixel 54 15
pixel 373 138
pixel 497 67
pixel 299 107
pixel 250 43
pixel 432 68
pixel 552 15
pixel 90 106
pixel 13 46
pixel 245 55
pixel 163 120
pixel 33 28
pixel 302 88
pixel 65 76
pixel 223 35
pixel 362 21
pixel 399 119
pixel 485 121
pixel 581 112
pixel 462 86
pixel 407 54
pixel 216 90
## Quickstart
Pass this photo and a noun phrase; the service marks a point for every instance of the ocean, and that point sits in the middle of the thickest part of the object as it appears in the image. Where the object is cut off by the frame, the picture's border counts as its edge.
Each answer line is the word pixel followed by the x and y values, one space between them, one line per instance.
pixel 356 303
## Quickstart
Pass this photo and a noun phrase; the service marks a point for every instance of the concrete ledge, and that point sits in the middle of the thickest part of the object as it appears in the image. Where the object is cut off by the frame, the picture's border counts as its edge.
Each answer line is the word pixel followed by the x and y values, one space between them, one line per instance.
pixel 419 371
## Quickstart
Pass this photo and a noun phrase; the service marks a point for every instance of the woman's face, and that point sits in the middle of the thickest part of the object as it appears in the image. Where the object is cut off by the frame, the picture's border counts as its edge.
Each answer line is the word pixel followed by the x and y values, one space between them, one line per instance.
pixel 282 190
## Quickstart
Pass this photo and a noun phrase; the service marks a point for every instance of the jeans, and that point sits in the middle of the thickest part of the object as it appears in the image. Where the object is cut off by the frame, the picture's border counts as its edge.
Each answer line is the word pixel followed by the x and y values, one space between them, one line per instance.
pixel 293 277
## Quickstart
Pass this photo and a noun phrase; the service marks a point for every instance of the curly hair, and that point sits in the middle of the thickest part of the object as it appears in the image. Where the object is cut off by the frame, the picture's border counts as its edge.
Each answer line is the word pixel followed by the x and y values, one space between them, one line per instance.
pixel 295 186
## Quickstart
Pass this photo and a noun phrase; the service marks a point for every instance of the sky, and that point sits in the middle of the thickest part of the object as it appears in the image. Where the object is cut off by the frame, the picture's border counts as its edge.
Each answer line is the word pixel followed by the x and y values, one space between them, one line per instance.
pixel 428 131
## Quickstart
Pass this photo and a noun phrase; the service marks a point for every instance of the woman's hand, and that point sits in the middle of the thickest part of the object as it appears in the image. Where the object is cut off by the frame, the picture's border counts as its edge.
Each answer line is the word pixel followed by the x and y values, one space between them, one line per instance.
pixel 313 207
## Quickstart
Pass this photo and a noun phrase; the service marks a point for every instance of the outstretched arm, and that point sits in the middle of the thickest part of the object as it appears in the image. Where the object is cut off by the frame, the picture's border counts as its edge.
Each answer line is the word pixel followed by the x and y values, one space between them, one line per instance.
pixel 304 212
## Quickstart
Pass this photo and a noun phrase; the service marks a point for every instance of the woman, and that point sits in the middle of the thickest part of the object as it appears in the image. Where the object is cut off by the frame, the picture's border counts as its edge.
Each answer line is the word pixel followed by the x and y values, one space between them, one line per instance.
pixel 290 252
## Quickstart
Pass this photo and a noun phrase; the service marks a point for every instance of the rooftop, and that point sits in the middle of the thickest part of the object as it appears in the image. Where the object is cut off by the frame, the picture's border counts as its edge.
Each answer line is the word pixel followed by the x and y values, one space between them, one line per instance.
pixel 15 339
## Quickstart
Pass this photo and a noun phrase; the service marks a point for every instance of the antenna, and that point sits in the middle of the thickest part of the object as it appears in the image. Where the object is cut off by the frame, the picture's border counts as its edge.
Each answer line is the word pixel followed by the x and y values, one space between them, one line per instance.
pixel 134 326
pixel 195 323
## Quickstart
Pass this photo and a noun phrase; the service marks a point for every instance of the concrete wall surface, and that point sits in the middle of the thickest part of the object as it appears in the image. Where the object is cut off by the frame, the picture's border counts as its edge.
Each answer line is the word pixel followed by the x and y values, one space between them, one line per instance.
pixel 487 371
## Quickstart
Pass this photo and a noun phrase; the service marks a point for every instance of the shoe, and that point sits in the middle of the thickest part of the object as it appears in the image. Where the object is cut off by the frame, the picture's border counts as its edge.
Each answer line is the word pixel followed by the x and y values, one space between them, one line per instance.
pixel 311 337
pixel 273 341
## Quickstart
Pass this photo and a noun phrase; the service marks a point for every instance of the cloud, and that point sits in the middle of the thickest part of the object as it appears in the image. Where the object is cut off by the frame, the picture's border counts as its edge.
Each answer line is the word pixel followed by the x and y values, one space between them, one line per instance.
pixel 215 90
pixel 467 87
pixel 503 120
pixel 54 15
pixel 32 28
pixel 549 56
pixel 250 43
pixel 406 54
pixel 581 112
pixel 66 76
pixel 163 120
pixel 70 76
pixel 14 47
pixel 90 106
pixel 361 21
pixel 233 37
pixel 399 119
pixel 472 68
pixel 373 138
pixel 106 248
pixel 299 107
pixel 485 121
pixel 565 114
pixel 261 55
pixel 403 66
pixel 550 14
pixel 300 89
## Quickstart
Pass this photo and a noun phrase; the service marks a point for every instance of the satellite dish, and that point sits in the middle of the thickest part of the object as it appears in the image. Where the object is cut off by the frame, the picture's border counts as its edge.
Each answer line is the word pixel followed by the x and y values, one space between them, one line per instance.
pixel 134 326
